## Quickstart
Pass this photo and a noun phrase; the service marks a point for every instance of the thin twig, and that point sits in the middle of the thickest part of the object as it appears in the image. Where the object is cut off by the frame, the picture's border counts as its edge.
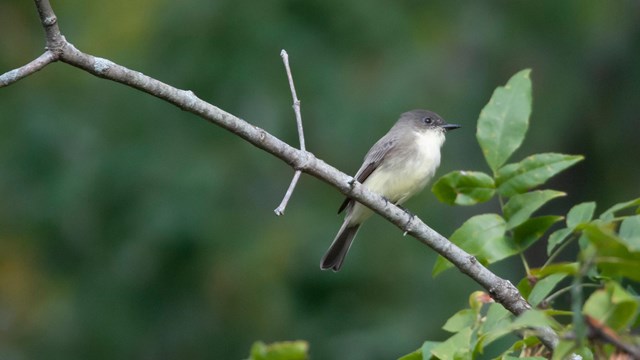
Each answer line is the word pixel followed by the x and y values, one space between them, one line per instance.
pixel 35 65
pixel 296 102
pixel 280 209
pixel 296 109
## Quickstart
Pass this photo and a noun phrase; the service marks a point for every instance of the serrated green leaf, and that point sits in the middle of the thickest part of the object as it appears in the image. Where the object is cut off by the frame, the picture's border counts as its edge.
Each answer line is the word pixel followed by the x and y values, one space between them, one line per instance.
pixel 504 120
pixel 581 213
pixel 460 320
pixel 543 288
pixel 610 213
pixel 557 238
pixel 630 232
pixel 464 188
pixel 481 236
pixel 612 306
pixel 520 207
pixel 533 171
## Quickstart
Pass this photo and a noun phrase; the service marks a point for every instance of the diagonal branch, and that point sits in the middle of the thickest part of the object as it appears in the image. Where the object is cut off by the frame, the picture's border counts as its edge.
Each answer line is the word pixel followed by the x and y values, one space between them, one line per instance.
pixel 501 290
pixel 35 65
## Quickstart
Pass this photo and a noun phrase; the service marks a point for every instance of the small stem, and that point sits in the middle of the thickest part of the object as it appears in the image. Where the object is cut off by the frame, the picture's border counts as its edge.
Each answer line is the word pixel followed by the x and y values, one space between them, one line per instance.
pixel 579 326
pixel 566 289
pixel 296 102
pixel 558 251
pixel 280 209
pixel 525 263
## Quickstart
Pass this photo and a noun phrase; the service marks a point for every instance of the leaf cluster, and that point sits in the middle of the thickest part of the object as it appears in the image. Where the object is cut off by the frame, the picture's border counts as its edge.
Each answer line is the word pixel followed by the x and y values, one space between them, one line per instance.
pixel 608 258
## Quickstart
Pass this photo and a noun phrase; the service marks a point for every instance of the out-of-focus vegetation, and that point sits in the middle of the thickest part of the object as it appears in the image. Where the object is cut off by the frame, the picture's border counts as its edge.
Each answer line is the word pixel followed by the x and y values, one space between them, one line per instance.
pixel 130 229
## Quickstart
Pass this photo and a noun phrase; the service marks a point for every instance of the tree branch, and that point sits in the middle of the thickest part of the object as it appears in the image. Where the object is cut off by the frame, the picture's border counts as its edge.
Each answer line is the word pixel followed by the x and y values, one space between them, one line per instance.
pixel 501 290
pixel 35 65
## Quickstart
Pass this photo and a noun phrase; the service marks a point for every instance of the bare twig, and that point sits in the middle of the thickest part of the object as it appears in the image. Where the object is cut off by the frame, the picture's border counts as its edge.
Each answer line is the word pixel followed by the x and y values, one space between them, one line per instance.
pixel 296 109
pixel 501 290
pixel 280 209
pixel 35 65
pixel 296 102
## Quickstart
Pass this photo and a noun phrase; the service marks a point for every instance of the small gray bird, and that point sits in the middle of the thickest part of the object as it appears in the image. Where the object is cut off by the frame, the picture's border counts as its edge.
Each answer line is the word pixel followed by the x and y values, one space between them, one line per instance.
pixel 397 167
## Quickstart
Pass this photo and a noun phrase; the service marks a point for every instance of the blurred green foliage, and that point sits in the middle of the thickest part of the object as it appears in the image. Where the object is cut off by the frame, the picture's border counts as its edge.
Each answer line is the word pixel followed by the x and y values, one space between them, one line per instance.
pixel 129 229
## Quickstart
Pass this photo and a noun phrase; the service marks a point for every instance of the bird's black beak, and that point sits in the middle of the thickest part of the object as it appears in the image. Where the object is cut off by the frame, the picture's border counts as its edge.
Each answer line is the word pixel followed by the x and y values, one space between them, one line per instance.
pixel 450 127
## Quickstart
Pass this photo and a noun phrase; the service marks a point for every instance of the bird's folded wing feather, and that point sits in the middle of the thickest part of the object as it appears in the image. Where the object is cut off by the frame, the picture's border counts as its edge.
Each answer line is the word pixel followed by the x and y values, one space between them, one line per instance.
pixel 371 162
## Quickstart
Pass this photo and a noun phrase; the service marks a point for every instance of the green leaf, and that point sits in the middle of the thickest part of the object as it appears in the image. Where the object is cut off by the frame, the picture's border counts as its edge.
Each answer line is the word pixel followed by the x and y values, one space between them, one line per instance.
pixel 424 353
pixel 612 306
pixel 579 214
pixel 566 348
pixel 483 237
pixel 610 213
pixel 520 207
pixel 427 348
pixel 457 346
pixel 285 350
pixel 613 256
pixel 464 188
pixel 557 238
pixel 532 230
pixel 533 171
pixel 565 268
pixel 533 318
pixel 462 319
pixel 416 355
pixel 563 349
pixel 504 120
pixel 525 287
pixel 543 288
pixel 630 232
pixel 495 325
pixel 518 346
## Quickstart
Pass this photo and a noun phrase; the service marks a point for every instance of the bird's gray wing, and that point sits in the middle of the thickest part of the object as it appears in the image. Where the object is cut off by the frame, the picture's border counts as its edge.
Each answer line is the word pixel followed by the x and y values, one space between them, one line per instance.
pixel 371 162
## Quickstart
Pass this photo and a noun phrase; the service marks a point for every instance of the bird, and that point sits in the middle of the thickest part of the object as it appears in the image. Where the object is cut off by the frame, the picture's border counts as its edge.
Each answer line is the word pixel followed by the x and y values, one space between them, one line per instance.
pixel 397 166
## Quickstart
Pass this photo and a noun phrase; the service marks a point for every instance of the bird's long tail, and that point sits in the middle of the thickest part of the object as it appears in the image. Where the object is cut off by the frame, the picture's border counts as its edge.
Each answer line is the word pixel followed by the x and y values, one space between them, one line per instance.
pixel 339 248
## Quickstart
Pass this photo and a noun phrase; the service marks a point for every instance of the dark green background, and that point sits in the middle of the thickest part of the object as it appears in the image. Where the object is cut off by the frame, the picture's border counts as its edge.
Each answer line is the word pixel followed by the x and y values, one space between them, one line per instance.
pixel 132 230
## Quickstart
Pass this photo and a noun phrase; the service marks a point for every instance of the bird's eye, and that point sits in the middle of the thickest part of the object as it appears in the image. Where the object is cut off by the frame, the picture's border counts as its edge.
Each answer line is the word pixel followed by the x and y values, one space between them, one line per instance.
pixel 427 120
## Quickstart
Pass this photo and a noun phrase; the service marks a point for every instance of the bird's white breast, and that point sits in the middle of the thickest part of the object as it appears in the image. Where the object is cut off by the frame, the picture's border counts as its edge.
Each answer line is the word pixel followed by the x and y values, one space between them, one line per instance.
pixel 407 173
pixel 411 170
